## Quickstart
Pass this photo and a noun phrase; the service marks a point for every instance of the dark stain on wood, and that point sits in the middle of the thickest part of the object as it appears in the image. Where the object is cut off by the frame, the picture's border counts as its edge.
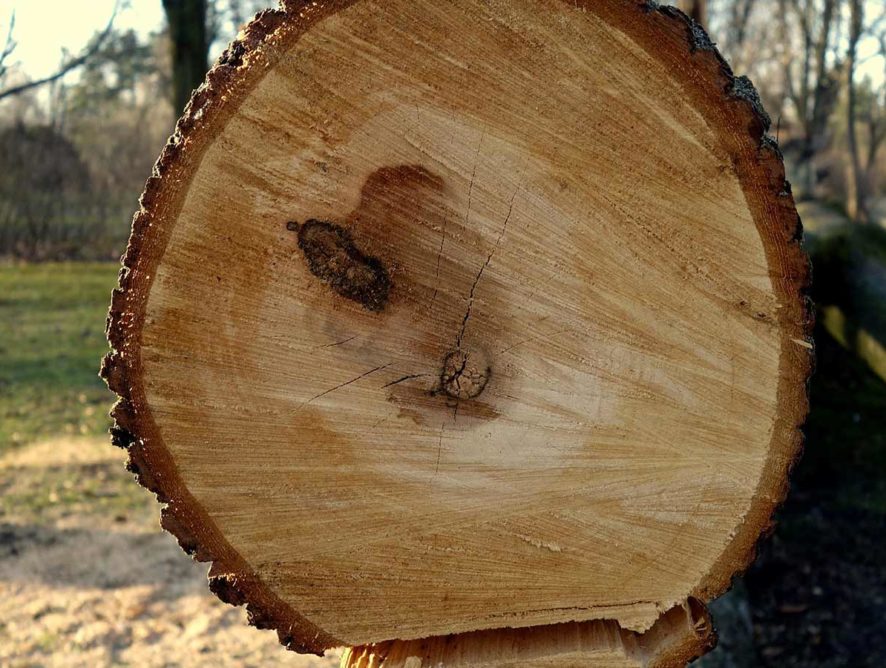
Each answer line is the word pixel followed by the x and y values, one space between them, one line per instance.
pixel 334 258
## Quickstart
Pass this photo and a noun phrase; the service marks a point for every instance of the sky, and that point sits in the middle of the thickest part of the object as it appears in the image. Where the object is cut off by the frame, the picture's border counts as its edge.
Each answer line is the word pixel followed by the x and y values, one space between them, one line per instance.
pixel 44 27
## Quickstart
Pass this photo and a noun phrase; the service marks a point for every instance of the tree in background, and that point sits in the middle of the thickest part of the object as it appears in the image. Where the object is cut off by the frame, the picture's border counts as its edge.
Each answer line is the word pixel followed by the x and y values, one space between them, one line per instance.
pixel 856 198
pixel 75 158
pixel 8 48
pixel 42 178
pixel 739 20
pixel 805 65
pixel 189 46
pixel 116 110
pixel 76 151
pixel 811 77
pixel 697 9
pixel 194 27
pixel 864 106
pixel 118 114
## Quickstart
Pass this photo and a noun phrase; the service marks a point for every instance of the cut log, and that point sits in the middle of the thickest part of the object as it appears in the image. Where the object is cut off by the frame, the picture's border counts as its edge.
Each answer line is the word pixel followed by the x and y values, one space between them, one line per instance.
pixel 448 317
pixel 672 641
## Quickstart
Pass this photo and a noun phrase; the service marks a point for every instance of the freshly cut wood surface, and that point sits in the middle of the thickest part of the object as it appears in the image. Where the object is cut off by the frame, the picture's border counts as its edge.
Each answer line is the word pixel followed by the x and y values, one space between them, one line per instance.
pixel 441 317
pixel 677 637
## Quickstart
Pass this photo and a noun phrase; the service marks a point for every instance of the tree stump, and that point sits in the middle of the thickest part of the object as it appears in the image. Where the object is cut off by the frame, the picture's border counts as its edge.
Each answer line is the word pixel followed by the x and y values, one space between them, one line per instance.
pixel 463 318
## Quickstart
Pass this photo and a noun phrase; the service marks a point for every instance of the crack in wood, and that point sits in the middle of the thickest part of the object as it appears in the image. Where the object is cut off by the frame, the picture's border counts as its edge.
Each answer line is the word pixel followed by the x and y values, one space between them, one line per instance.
pixel 404 379
pixel 439 448
pixel 439 256
pixel 345 384
pixel 464 322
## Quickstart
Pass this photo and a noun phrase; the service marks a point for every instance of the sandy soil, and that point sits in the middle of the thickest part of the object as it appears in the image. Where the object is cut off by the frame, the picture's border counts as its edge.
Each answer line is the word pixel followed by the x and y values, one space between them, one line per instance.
pixel 87 578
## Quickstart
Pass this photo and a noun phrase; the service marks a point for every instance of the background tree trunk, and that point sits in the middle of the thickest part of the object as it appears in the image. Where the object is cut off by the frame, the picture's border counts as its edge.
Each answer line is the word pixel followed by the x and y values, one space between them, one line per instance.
pixel 811 83
pixel 189 46
pixel 856 200
pixel 697 9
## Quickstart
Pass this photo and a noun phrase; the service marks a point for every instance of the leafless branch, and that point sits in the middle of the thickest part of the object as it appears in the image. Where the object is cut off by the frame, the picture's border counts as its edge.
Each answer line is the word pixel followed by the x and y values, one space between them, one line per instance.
pixel 72 64
pixel 8 47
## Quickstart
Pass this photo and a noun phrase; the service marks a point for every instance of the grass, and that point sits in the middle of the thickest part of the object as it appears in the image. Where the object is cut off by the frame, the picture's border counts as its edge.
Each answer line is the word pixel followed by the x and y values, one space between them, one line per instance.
pixel 52 319
pixel 49 492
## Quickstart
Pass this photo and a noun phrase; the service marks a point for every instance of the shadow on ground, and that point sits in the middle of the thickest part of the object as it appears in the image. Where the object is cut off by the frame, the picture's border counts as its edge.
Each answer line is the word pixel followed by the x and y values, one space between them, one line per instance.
pixel 817 594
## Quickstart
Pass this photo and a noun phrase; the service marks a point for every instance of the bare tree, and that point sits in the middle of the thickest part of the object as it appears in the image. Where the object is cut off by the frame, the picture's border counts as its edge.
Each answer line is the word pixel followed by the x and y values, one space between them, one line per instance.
pixel 41 176
pixel 856 202
pixel 812 85
pixel 738 30
pixel 876 116
pixel 741 14
pixel 189 37
pixel 69 65
pixel 867 104
pixel 225 18
pixel 8 47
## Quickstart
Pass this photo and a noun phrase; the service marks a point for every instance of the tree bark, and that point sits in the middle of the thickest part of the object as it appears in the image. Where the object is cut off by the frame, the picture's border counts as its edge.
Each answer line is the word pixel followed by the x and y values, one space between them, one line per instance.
pixel 189 47
pixel 409 353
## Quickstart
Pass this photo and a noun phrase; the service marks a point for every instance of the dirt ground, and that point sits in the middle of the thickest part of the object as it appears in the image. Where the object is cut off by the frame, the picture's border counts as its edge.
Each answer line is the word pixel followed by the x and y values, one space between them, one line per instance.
pixel 87 578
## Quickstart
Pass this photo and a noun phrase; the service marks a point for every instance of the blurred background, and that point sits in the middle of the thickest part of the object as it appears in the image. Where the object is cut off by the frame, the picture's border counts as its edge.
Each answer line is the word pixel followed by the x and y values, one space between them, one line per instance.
pixel 89 92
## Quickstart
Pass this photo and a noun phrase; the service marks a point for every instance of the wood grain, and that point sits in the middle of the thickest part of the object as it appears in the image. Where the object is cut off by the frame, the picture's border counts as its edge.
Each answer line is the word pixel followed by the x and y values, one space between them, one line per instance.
pixel 676 638
pixel 441 317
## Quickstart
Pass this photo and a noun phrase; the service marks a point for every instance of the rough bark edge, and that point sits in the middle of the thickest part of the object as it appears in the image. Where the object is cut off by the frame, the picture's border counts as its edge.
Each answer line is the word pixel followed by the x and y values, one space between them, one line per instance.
pixel 680 635
pixel 240 67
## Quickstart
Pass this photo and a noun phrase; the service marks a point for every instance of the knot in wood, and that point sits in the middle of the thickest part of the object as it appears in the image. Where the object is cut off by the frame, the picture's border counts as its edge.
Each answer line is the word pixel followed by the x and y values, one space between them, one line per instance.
pixel 333 257
pixel 465 374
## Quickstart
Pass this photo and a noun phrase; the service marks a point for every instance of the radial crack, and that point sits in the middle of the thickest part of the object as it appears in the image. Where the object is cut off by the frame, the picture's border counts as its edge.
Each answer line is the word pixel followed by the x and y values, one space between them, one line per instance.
pixel 504 227
pixel 345 384
pixel 439 256
pixel 404 379
pixel 439 449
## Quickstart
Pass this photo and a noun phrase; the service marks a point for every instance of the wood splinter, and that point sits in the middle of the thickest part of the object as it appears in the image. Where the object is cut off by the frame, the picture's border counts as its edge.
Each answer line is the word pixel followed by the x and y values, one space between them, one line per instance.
pixel 478 322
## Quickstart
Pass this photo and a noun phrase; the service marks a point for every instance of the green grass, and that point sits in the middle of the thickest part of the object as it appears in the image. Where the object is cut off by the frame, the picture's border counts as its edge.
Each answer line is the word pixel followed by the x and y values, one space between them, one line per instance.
pixel 45 494
pixel 52 319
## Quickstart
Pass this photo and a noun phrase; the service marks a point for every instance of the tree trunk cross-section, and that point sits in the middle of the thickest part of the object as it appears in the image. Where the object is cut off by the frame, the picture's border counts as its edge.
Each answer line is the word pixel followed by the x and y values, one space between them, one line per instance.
pixel 445 317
